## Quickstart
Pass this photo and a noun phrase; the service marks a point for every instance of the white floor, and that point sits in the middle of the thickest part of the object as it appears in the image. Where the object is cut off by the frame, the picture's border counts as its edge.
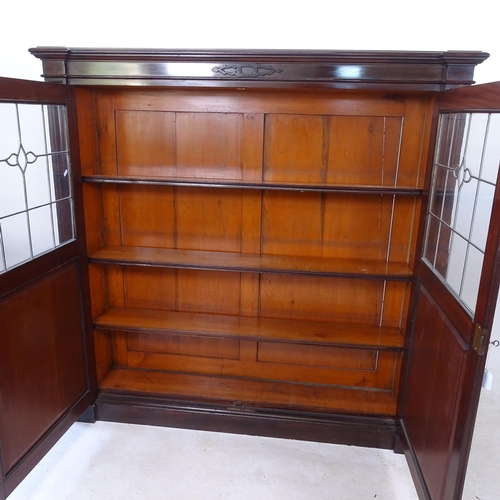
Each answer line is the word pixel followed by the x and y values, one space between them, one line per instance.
pixel 118 461
pixel 106 461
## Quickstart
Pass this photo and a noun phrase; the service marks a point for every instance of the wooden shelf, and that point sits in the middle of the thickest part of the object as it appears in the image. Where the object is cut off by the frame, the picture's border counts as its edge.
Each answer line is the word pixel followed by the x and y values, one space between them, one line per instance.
pixel 257 185
pixel 248 392
pixel 238 262
pixel 212 325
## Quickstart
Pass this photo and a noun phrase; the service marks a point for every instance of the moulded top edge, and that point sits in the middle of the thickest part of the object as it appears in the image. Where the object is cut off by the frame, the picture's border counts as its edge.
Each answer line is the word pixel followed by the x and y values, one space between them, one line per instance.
pixel 476 57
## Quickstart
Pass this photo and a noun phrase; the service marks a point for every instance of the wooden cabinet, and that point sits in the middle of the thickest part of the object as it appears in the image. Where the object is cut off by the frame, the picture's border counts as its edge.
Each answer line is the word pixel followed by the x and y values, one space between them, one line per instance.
pixel 253 246
pixel 253 225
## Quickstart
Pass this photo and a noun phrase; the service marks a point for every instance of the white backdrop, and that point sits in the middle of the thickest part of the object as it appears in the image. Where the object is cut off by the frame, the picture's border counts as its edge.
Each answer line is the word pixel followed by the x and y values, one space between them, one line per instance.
pixel 312 24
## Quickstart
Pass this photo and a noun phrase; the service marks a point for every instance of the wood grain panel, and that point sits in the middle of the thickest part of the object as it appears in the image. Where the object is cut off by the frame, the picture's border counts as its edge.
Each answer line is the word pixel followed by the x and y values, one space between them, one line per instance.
pixel 332 357
pixel 147 216
pixel 208 292
pixel 183 345
pixel 42 368
pixel 224 326
pixel 382 379
pixel 415 140
pixel 345 226
pixel 319 299
pixel 240 262
pixel 209 145
pixel 295 148
pixel 111 216
pixel 89 155
pixel 145 142
pixel 434 391
pixel 209 219
pixel 357 227
pixel 92 205
pixel 395 297
pixel 150 288
pixel 103 353
pixel 278 101
pixel 364 150
pixel 252 154
pixel 106 104
pixel 292 224
pixel 273 394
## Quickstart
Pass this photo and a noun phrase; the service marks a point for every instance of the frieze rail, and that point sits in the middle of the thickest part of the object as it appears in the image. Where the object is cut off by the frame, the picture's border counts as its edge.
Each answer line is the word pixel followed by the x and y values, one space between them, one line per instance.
pixel 396 70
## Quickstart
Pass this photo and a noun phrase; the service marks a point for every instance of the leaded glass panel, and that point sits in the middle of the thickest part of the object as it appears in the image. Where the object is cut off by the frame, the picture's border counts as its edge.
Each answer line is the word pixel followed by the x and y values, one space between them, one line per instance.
pixel 36 206
pixel 461 199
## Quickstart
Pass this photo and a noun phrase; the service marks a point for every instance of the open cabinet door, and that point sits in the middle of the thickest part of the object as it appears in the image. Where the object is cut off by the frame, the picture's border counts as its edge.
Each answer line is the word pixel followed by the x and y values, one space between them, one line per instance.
pixel 45 348
pixel 457 277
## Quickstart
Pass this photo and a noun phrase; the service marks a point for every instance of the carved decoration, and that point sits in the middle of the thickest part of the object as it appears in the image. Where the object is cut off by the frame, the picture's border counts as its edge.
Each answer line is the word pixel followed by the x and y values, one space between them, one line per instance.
pixel 246 70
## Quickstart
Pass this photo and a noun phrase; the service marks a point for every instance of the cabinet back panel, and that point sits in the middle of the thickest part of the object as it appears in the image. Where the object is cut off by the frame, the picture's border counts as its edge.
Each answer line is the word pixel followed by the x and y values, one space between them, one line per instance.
pixel 338 357
pixel 372 227
pixel 334 366
pixel 378 227
pixel 181 290
pixel 344 138
pixel 145 142
pixel 327 299
pixel 356 138
pixel 185 345
pixel 335 149
pixel 370 302
pixel 160 143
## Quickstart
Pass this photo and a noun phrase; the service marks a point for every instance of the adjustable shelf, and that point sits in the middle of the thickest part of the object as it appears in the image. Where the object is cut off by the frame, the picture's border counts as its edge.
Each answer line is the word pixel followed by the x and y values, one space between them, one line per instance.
pixel 221 326
pixel 238 262
pixel 255 185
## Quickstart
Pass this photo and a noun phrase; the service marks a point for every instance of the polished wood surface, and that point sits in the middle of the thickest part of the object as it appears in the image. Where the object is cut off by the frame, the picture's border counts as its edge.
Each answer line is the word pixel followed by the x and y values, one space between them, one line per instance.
pixel 442 373
pixel 262 236
pixel 227 195
pixel 46 345
pixel 271 394
pixel 231 261
pixel 260 68
pixel 35 351
pixel 302 332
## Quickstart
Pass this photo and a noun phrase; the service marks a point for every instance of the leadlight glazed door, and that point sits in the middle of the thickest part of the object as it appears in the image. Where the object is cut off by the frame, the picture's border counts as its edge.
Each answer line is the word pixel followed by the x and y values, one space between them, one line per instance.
pixel 45 363
pixel 457 280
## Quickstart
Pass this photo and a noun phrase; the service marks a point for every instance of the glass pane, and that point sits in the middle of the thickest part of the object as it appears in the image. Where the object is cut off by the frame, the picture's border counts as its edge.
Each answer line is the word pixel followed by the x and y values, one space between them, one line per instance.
pixel 57 125
pixel 31 124
pixel 9 134
pixel 465 209
pixel 456 265
pixel 36 209
pixel 462 192
pixel 475 143
pixel 11 190
pixel 63 213
pixel 431 240
pixel 472 277
pixel 450 142
pixel 443 249
pixel 16 239
pixel 61 184
pixel 482 215
pixel 491 157
pixel 37 183
pixel 42 235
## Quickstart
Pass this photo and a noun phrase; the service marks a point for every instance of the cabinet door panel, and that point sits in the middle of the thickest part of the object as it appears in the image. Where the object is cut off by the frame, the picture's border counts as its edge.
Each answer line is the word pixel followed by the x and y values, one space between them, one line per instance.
pixel 45 345
pixel 458 274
